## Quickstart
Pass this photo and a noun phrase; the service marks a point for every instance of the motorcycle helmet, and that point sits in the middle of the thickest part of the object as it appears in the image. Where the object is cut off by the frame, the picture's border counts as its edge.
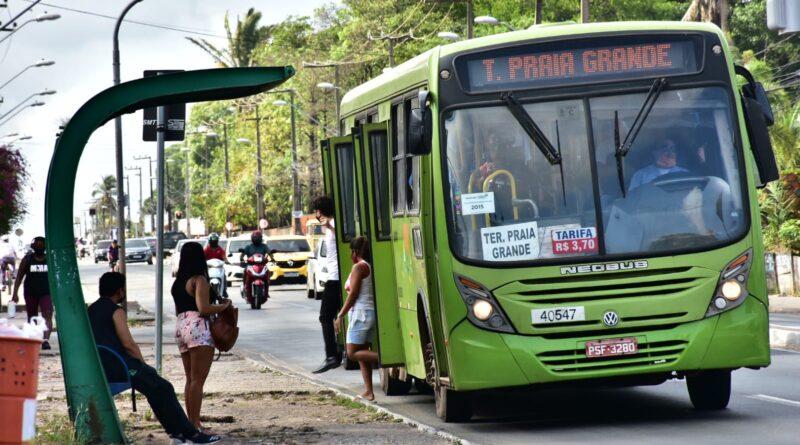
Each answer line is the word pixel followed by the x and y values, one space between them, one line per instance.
pixel 213 240
pixel 256 237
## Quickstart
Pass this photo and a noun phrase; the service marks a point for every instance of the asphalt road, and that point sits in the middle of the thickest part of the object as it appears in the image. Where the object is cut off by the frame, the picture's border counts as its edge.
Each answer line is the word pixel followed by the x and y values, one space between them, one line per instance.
pixel 765 405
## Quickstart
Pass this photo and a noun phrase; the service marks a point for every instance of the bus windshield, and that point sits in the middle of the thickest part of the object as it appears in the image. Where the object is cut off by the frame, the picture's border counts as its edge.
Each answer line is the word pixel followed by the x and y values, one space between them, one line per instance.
pixel 679 187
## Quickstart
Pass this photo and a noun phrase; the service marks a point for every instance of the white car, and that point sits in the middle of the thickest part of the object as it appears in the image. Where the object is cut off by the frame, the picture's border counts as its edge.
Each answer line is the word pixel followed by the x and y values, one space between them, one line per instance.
pixel 233 271
pixel 317 272
pixel 176 256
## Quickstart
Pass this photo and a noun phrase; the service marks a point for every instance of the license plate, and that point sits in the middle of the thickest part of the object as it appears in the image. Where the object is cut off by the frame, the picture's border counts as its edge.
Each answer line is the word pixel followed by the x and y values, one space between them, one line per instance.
pixel 137 257
pixel 611 348
pixel 558 315
pixel 291 274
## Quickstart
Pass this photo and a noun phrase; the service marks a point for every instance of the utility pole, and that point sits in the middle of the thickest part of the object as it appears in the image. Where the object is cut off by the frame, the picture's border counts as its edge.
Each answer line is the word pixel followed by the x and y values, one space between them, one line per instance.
pixel 470 19
pixel 584 11
pixel 150 162
pixel 187 195
pixel 394 40
pixel 225 147
pixel 140 228
pixel 259 192
pixel 128 197
pixel 118 150
pixel 337 90
pixel 538 18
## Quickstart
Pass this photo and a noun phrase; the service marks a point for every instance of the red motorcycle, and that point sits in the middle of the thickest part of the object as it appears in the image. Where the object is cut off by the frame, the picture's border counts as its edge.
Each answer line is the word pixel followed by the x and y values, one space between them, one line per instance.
pixel 256 272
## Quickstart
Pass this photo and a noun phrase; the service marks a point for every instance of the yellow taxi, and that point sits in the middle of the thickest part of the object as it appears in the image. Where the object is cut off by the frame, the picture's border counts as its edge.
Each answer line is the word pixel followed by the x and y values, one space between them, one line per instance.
pixel 290 260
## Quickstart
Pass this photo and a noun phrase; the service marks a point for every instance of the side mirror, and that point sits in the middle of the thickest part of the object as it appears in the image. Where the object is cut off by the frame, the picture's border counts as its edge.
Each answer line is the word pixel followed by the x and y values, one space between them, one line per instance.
pixel 755 90
pixel 760 143
pixel 420 127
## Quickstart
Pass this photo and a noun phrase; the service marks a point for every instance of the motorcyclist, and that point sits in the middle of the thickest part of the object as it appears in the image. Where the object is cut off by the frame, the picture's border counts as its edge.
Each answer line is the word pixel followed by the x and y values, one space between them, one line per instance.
pixel 113 255
pixel 256 245
pixel 213 250
pixel 8 258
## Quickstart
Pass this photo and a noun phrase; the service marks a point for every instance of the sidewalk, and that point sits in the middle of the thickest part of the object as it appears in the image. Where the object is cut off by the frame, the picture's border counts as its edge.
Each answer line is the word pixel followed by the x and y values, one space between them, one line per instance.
pixel 244 402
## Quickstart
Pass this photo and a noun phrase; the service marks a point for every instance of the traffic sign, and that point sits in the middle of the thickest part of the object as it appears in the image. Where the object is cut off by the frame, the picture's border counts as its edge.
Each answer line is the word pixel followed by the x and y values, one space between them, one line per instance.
pixel 176 116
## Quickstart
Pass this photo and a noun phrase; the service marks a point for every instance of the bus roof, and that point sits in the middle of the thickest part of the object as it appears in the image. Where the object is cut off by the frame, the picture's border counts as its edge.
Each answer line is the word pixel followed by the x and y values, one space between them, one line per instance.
pixel 414 71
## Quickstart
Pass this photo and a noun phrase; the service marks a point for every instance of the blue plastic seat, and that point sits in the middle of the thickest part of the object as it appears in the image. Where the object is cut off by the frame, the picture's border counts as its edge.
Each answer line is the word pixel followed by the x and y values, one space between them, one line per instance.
pixel 118 387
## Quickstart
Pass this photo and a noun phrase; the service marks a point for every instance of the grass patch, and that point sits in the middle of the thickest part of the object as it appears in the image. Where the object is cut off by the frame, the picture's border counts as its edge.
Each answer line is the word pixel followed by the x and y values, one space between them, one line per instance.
pixel 56 429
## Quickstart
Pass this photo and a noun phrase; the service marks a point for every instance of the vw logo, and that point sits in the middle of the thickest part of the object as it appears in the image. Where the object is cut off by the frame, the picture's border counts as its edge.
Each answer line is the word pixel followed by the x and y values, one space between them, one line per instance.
pixel 610 319
pixel 290 263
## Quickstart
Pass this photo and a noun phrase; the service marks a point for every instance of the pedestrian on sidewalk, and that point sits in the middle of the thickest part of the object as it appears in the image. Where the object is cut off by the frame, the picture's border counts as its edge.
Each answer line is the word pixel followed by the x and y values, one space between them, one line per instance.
pixel 331 295
pixel 36 290
pixel 192 295
pixel 360 309
pixel 110 329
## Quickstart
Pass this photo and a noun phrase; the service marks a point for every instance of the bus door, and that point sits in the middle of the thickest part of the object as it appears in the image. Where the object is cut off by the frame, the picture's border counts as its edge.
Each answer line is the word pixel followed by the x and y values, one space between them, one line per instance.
pixel 342 161
pixel 374 151
pixel 327 175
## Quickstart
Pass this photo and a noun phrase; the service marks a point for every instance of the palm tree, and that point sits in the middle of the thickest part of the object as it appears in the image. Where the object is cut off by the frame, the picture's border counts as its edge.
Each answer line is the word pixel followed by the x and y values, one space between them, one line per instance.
pixel 103 194
pixel 241 43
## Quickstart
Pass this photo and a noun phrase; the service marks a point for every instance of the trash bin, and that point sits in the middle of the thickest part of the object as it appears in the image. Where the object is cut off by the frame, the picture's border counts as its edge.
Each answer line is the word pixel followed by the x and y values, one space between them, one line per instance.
pixel 19 378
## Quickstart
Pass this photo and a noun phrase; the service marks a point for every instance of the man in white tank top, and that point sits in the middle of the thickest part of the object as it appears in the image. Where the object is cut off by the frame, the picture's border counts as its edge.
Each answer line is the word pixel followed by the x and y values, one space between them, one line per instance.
pixel 332 295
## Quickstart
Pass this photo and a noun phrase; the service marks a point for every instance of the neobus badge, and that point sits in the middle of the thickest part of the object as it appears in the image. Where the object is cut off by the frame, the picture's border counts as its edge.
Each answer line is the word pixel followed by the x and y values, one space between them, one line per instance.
pixel 604 267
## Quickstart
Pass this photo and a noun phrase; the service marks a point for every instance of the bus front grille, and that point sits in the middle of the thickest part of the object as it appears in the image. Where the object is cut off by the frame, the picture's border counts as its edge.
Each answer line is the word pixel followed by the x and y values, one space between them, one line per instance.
pixel 574 361
pixel 586 289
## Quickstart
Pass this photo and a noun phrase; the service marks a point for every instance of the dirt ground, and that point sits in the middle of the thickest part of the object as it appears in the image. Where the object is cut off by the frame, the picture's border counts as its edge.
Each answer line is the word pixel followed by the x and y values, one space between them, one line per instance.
pixel 244 402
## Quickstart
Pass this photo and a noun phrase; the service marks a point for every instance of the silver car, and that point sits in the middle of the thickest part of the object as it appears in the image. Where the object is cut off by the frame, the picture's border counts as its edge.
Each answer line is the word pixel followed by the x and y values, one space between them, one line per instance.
pixel 317 272
pixel 138 251
pixel 176 256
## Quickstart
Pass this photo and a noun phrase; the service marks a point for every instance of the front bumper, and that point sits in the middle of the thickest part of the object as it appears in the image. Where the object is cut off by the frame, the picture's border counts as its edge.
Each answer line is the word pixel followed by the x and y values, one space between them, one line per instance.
pixel 482 359
pixel 138 257
pixel 277 273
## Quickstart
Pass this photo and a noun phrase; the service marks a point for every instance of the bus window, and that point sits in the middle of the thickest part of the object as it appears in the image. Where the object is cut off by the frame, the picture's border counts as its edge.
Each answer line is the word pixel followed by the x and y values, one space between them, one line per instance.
pixel 379 148
pixel 398 157
pixel 412 169
pixel 347 190
pixel 681 175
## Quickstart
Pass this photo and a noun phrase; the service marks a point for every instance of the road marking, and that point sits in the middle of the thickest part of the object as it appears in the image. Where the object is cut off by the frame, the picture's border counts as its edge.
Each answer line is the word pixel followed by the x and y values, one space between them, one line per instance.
pixel 785 350
pixel 778 400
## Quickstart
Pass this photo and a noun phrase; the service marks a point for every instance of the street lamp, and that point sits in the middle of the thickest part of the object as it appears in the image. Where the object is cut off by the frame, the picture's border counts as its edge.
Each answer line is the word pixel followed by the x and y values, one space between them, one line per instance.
pixel 40 93
pixel 244 141
pixel 41 18
pixel 327 87
pixel 38 64
pixel 448 35
pixel 38 103
pixel 489 20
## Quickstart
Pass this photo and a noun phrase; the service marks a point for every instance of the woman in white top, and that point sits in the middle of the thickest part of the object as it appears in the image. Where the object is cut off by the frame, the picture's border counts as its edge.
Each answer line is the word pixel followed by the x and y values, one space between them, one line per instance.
pixel 360 307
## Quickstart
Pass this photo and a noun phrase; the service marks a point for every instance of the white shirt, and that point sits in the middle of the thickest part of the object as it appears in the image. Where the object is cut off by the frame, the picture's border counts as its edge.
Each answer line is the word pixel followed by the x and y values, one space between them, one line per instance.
pixel 7 250
pixel 331 258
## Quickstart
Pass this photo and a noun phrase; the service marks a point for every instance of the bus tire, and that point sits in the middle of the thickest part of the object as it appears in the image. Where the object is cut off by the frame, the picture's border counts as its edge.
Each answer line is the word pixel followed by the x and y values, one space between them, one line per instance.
pixel 710 390
pixel 451 405
pixel 392 384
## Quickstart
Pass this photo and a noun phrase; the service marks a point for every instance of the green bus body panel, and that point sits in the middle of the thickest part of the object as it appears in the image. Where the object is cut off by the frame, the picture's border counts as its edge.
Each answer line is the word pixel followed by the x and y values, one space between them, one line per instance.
pixel 90 404
pixel 669 323
pixel 390 338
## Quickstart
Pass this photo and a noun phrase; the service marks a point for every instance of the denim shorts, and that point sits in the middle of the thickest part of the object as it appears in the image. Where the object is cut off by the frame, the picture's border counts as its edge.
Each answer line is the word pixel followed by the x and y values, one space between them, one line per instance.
pixel 361 329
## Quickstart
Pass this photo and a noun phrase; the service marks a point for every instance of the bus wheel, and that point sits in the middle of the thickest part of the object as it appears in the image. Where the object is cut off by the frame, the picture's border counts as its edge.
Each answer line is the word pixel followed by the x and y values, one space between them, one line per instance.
pixel 392 384
pixel 452 406
pixel 710 390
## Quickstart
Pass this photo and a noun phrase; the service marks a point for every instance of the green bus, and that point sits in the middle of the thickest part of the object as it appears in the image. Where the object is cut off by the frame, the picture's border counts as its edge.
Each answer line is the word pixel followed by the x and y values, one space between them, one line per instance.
pixel 560 205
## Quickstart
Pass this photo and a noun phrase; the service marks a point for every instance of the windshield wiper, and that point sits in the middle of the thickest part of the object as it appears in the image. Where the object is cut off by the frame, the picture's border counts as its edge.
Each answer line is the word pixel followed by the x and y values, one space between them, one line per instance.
pixel 530 127
pixel 622 149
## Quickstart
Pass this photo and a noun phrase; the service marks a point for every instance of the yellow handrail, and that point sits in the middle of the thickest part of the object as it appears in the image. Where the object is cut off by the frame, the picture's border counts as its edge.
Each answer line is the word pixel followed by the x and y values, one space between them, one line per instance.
pixel 486 183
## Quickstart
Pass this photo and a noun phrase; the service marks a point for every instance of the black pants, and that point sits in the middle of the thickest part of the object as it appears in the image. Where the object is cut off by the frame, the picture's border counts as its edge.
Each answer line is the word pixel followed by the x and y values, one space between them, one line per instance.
pixel 329 307
pixel 161 396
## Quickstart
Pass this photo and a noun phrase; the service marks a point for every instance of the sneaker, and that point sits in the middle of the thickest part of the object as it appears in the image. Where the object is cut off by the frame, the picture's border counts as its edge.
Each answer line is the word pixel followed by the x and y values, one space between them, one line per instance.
pixel 46 345
pixel 176 440
pixel 201 437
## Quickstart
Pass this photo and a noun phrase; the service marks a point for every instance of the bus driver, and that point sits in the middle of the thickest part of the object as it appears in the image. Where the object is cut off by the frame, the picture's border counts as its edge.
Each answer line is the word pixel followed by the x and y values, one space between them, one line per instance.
pixel 664 162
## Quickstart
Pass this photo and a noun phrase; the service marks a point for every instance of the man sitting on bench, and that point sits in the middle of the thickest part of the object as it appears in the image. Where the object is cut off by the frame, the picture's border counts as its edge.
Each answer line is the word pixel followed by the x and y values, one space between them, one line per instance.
pixel 110 328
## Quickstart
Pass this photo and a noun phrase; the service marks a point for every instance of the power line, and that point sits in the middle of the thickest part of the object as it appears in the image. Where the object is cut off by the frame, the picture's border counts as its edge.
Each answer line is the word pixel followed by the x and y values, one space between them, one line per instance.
pixel 136 22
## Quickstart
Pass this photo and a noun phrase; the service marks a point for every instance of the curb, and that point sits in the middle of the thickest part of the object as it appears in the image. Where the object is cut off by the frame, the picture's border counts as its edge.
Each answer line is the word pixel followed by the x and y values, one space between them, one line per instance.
pixel 784 337
pixel 427 429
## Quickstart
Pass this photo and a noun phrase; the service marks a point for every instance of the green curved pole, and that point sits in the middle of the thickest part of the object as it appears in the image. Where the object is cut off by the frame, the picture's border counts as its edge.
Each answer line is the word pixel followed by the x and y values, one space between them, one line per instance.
pixel 91 407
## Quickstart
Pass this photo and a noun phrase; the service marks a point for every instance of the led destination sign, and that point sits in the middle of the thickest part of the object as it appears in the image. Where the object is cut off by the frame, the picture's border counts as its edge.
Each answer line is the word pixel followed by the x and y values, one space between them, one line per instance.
pixel 540 65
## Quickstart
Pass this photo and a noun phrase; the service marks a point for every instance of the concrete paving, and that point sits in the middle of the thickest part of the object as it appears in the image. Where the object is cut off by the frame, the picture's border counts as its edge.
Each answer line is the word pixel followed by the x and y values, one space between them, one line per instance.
pixel 764 407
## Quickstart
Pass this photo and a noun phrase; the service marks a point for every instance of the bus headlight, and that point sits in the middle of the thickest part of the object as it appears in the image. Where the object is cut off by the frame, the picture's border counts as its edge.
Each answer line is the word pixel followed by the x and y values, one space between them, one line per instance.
pixel 482 309
pixel 732 286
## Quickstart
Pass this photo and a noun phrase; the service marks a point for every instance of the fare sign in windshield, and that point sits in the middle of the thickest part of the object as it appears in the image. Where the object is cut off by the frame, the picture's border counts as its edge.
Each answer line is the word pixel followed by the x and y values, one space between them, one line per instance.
pixel 548 65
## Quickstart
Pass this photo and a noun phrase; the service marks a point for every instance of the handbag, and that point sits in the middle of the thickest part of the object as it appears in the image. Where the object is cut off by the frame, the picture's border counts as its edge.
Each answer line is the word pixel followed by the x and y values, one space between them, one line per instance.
pixel 224 329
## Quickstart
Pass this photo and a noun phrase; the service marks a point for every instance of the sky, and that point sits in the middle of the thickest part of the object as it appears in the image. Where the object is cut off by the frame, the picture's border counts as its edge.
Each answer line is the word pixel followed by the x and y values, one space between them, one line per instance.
pixel 81 46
